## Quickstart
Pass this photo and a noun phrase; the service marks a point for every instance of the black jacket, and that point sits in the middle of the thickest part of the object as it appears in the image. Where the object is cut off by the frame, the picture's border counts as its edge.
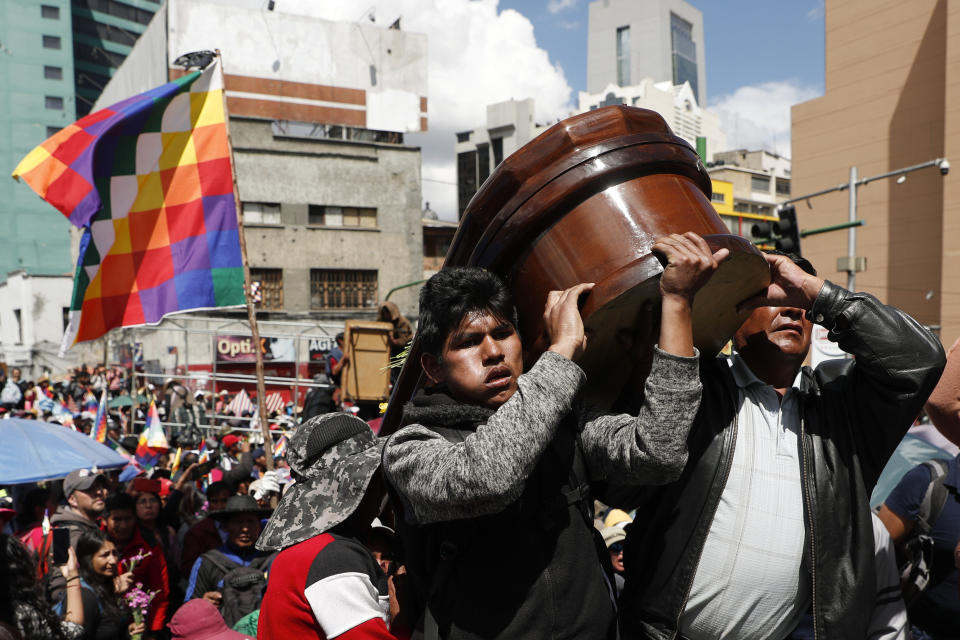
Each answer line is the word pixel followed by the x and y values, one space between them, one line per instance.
pixel 854 413
pixel 510 574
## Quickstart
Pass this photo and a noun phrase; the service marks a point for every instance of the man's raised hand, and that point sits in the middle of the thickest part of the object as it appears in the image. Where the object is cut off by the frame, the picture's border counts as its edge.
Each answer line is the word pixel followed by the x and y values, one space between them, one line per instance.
pixel 564 325
pixel 689 264
pixel 790 286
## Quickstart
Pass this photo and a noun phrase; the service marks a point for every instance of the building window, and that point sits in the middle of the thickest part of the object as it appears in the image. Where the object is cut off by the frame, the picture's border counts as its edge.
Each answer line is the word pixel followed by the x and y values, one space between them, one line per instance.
pixel 343 289
pixel 52 73
pixel 760 183
pixel 464 136
pixel 783 186
pixel 497 144
pixel 683 53
pixel 53 102
pixel 261 213
pixel 718 197
pixel 623 56
pixel 268 285
pixel 466 178
pixel 483 161
pixel 51 42
pixel 330 216
pixel 51 131
pixel 19 328
pixel 48 11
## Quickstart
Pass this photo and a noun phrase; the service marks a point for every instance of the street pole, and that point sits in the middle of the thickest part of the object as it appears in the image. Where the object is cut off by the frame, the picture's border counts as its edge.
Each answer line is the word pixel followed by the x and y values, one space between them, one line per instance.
pixel 852 234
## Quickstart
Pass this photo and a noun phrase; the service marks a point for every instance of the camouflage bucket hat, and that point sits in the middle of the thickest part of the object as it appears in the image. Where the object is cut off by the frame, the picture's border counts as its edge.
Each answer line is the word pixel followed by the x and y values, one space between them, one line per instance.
pixel 333 456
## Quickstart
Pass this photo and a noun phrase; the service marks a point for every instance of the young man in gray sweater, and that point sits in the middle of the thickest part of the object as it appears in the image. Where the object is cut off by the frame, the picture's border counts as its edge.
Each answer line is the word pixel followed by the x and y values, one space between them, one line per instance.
pixel 492 470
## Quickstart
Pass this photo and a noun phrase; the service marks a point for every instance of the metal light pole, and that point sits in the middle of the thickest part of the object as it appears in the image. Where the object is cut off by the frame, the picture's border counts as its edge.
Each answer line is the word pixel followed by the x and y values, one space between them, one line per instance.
pixel 851 264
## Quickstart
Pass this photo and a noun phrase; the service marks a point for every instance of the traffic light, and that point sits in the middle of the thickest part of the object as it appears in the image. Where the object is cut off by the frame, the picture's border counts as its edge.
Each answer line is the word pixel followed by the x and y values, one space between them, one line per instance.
pixel 761 230
pixel 786 233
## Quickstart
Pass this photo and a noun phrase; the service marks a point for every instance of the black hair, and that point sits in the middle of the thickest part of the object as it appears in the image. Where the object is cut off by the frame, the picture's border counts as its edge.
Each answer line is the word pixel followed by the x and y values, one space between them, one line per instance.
pixel 453 293
pixel 89 543
pixel 217 487
pixel 796 258
pixel 119 502
pixel 21 592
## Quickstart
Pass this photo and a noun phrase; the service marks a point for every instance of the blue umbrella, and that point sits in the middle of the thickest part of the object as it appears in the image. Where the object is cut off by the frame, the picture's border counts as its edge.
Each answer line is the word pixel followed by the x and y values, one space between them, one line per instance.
pixel 33 451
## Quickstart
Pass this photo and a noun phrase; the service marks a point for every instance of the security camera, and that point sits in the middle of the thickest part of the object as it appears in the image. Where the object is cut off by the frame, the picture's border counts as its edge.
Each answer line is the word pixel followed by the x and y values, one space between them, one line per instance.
pixel 944 166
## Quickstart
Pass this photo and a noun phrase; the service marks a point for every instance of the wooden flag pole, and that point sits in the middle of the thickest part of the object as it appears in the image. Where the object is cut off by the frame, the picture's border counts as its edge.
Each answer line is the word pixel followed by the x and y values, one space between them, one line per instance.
pixel 251 310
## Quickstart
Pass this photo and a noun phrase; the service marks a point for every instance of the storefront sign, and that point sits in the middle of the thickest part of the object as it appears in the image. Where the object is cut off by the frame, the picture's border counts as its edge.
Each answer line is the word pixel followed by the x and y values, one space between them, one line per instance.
pixel 240 349
pixel 320 346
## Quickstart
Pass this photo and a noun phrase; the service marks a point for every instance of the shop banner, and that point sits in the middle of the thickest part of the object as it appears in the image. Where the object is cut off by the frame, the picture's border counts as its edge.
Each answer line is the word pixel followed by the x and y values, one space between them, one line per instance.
pixel 240 349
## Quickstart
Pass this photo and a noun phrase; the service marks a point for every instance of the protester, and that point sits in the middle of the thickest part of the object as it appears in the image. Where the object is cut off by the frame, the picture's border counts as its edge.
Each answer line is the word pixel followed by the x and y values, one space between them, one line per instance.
pixel 22 605
pixel 613 538
pixel 771 516
pixel 145 560
pixel 937 611
pixel 86 493
pixel 207 533
pixel 319 400
pixel 104 617
pixel 200 620
pixel 232 577
pixel 498 478
pixel 325 583
pixel 402 331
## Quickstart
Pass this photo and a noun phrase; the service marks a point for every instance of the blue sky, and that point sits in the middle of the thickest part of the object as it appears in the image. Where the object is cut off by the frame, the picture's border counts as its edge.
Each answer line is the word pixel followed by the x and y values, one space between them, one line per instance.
pixel 748 42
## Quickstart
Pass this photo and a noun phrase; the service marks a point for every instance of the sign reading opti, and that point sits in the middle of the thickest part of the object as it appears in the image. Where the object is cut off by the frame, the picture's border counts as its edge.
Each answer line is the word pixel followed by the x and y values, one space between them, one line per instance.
pixel 240 349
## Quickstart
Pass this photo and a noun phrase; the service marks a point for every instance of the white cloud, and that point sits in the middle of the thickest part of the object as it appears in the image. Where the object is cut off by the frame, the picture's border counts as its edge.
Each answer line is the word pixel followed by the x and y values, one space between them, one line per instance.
pixel 556 6
pixel 478 55
pixel 569 26
pixel 816 12
pixel 758 116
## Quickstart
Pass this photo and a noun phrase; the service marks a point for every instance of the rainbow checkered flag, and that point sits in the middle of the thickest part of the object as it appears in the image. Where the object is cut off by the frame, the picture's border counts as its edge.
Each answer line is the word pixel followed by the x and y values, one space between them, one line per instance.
pixel 149 181
pixel 99 430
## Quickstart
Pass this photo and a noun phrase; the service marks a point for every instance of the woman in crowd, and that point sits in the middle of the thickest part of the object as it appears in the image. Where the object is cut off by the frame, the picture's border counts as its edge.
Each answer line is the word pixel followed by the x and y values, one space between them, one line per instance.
pixel 23 611
pixel 104 617
pixel 154 527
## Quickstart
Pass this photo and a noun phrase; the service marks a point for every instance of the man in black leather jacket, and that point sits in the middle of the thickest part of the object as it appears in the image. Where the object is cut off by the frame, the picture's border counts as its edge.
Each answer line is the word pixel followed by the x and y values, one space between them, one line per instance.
pixel 842 420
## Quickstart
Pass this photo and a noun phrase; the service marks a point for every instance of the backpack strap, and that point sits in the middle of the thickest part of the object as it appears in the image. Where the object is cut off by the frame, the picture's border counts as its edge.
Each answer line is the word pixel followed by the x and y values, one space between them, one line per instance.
pixel 935 496
pixel 221 561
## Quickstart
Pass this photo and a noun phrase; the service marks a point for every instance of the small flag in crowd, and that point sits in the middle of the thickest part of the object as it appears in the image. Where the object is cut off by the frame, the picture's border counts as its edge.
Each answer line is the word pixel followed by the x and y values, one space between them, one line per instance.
pixel 149 181
pixel 274 402
pixel 280 449
pixel 240 404
pixel 153 441
pixel 176 461
pixel 99 430
pixel 90 402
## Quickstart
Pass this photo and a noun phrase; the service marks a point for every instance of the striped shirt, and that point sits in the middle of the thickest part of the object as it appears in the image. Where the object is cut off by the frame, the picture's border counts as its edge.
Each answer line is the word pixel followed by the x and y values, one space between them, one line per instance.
pixel 751 581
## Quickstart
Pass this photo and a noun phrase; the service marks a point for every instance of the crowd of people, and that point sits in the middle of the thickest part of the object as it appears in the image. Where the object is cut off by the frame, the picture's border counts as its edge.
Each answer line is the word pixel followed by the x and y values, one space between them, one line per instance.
pixel 727 497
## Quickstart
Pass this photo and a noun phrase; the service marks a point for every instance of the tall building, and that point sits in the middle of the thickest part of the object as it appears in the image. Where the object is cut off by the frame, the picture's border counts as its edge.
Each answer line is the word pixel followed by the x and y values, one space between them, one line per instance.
pixel 36 100
pixel 509 126
pixel 55 57
pixel 892 99
pixel 104 32
pixel 629 40
pixel 331 198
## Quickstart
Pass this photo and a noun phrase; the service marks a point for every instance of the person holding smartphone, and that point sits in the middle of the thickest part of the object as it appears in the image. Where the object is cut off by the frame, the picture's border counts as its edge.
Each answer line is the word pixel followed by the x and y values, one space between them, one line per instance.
pixel 104 618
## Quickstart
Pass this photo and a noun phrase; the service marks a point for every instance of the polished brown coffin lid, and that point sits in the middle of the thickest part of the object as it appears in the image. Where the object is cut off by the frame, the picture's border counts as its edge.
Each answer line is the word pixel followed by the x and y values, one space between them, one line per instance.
pixel 584 202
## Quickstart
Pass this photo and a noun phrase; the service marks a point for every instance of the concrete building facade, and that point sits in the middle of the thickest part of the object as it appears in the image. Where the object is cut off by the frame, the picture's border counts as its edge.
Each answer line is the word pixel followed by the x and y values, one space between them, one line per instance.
pixel 676 103
pixel 331 197
pixel 660 39
pixel 37 99
pixel 509 126
pixel 759 181
pixel 892 99
pixel 33 315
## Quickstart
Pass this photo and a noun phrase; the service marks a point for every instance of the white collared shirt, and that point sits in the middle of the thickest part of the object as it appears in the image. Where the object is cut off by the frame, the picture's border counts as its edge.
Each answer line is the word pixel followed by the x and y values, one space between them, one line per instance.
pixel 751 582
